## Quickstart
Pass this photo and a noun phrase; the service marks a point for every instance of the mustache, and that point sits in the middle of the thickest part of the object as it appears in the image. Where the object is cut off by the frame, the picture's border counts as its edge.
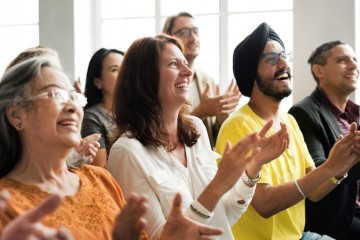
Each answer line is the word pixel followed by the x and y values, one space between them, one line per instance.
pixel 282 71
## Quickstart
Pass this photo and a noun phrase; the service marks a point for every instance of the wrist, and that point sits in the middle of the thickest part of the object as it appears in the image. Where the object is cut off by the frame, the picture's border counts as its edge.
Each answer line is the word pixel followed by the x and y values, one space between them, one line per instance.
pixel 248 180
pixel 338 180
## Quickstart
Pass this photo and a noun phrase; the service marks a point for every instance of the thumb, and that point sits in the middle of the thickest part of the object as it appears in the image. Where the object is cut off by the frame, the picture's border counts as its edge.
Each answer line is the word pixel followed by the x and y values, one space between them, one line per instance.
pixel 176 206
pixel 45 208
pixel 353 127
pixel 207 90
pixel 228 146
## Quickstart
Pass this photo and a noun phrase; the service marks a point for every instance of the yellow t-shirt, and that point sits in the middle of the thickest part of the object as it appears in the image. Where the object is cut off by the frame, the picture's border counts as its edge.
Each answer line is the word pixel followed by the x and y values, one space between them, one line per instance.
pixel 289 166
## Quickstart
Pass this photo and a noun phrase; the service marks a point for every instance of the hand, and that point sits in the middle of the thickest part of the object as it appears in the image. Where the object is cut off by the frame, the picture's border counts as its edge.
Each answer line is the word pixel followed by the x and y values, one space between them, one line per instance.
pixel 89 147
pixel 345 153
pixel 234 162
pixel 28 226
pixel 130 222
pixel 217 105
pixel 77 85
pixel 179 227
pixel 234 94
pixel 271 148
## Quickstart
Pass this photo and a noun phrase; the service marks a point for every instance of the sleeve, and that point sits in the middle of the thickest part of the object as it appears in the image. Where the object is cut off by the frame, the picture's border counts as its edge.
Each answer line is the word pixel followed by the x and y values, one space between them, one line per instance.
pixel 237 200
pixel 129 175
pixel 92 124
pixel 309 129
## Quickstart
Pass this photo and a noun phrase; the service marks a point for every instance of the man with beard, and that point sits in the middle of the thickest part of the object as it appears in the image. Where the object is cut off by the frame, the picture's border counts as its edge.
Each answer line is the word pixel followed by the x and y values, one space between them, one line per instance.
pixel 322 117
pixel 277 211
pixel 206 101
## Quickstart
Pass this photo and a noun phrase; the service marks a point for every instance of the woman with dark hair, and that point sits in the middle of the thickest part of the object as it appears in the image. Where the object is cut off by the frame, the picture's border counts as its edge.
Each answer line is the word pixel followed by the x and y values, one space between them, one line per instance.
pixel 100 82
pixel 161 150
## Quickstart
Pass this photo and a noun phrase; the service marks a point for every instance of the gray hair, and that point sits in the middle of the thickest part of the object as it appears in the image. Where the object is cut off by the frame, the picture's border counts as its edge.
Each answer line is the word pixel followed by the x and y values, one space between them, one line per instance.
pixel 15 85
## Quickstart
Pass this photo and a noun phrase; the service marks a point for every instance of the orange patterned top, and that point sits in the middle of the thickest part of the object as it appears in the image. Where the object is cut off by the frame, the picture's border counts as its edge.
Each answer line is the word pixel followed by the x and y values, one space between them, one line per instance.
pixel 89 214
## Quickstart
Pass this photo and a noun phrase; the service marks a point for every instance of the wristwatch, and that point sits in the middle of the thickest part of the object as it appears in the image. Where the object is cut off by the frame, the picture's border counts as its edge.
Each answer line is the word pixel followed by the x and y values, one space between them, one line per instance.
pixel 338 181
pixel 251 181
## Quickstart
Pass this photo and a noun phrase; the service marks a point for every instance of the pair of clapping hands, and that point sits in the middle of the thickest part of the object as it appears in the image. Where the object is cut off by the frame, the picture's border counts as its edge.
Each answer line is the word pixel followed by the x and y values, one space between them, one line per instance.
pixel 128 225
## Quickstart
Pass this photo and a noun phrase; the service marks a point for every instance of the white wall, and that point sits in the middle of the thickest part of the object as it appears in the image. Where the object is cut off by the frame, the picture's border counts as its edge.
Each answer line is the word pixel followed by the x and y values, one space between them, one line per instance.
pixel 317 22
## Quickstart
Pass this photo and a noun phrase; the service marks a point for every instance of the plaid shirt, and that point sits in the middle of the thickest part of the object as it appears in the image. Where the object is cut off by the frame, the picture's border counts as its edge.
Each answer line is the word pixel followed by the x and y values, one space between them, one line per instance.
pixel 344 119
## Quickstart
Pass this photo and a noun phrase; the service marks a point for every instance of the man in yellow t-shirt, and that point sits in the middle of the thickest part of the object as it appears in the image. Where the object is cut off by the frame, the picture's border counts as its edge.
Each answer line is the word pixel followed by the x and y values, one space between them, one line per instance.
pixel 277 211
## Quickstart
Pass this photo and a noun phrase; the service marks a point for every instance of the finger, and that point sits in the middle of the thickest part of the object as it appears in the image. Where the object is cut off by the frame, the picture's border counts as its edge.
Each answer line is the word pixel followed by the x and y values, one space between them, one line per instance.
pixel 217 89
pixel 231 86
pixel 176 206
pixel 266 128
pixel 92 138
pixel 353 127
pixel 4 197
pixel 46 207
pixel 228 146
pixel 245 145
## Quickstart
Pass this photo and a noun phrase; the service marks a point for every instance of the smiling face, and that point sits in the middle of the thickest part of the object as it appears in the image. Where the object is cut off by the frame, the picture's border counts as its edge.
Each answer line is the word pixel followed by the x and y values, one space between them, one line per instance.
pixel 47 121
pixel 340 72
pixel 274 80
pixel 174 77
pixel 110 70
pixel 192 42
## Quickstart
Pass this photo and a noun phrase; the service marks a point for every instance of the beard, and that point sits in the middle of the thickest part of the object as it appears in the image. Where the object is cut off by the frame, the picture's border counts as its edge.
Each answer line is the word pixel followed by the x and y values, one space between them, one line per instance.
pixel 267 88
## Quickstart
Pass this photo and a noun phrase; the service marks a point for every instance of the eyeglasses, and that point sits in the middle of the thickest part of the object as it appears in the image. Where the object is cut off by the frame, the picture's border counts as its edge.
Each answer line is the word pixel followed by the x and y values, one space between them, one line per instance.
pixel 273 58
pixel 186 32
pixel 61 96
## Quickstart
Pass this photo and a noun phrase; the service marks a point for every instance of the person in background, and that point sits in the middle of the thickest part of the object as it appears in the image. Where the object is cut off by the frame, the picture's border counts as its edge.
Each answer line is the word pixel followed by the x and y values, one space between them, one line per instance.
pixel 100 83
pixel 161 150
pixel 86 151
pixel 206 101
pixel 277 211
pixel 322 117
pixel 40 121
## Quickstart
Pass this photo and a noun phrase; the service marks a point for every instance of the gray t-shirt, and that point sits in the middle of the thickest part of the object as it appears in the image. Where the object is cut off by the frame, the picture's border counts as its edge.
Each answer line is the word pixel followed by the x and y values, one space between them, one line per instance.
pixel 98 120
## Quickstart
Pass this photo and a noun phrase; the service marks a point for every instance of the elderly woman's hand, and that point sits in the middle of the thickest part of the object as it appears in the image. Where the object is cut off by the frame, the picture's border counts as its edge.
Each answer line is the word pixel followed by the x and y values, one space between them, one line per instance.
pixel 29 226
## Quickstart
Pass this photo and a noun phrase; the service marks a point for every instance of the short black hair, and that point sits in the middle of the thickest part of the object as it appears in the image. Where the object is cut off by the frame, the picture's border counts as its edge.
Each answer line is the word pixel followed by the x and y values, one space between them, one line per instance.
pixel 321 54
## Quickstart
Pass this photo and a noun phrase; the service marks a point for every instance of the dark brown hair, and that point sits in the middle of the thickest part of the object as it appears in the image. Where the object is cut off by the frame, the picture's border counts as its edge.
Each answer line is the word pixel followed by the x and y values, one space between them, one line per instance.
pixel 136 103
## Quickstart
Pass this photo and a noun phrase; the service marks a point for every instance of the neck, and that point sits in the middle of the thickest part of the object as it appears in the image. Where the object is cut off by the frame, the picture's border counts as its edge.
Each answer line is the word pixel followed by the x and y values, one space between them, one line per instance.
pixel 107 103
pixel 45 168
pixel 268 111
pixel 338 99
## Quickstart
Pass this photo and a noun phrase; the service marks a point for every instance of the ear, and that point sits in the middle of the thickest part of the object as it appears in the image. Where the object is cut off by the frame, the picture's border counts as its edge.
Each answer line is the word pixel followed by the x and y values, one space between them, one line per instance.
pixel 14 115
pixel 97 83
pixel 318 71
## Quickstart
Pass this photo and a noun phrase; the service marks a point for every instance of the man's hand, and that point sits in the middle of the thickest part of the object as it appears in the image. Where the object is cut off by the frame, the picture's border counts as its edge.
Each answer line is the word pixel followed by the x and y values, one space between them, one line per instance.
pixel 219 105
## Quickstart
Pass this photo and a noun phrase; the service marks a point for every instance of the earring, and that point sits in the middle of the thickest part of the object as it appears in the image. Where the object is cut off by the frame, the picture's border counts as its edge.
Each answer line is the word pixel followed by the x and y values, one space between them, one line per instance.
pixel 99 87
pixel 19 126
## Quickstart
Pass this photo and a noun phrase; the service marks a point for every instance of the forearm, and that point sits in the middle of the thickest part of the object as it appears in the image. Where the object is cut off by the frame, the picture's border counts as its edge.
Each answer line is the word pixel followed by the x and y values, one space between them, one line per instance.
pixel 287 194
pixel 199 112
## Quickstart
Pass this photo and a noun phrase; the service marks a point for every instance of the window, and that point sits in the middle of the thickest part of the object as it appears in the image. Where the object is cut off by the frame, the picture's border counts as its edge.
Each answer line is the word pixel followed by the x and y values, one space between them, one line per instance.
pixel 222 23
pixel 19 23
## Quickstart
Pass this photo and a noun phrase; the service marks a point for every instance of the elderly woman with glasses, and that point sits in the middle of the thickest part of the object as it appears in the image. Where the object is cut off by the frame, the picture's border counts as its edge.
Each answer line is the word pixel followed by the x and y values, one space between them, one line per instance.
pixel 40 122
